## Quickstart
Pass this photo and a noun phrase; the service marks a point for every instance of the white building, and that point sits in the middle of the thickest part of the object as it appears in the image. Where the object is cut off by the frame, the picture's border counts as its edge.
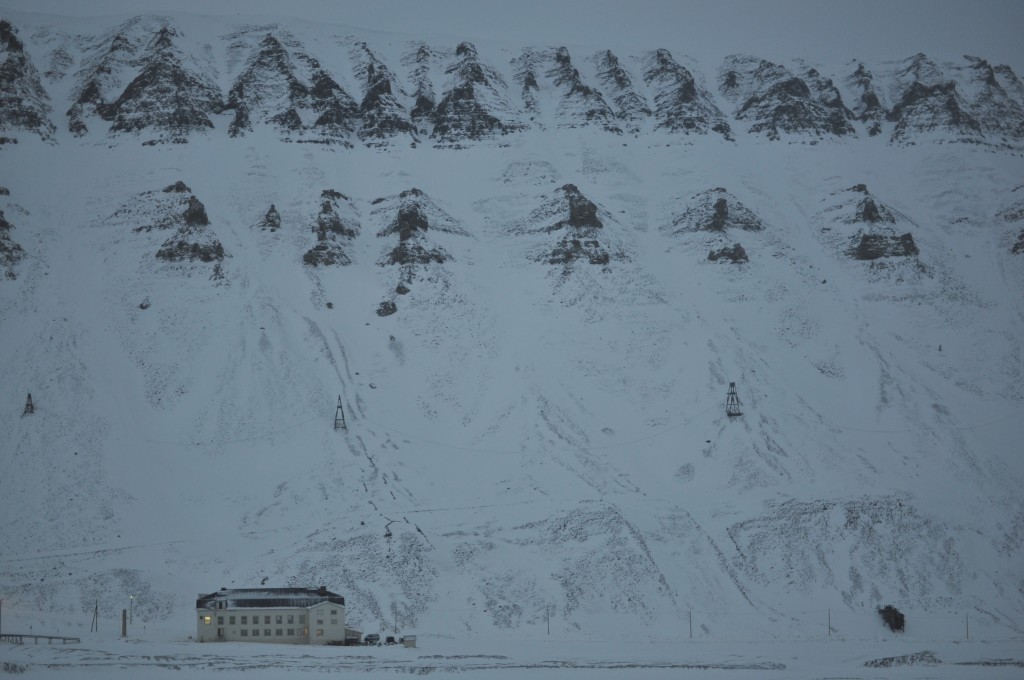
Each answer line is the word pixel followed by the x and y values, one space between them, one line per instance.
pixel 297 616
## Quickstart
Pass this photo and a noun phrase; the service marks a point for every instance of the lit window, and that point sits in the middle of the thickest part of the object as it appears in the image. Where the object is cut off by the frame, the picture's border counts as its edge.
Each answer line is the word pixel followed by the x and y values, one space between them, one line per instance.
pixel 207 620
pixel 319 632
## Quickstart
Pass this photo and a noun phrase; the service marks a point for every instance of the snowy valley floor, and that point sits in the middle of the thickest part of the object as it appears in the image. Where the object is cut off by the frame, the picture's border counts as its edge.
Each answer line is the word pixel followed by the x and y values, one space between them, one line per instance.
pixel 531 659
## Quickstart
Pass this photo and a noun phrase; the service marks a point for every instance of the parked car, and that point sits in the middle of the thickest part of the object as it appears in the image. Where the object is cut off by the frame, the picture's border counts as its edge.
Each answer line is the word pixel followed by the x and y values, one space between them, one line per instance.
pixel 372 639
pixel 390 640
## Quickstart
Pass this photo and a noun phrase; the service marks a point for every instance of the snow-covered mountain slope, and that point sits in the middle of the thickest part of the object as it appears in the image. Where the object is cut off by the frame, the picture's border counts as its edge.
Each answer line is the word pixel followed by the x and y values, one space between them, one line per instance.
pixel 518 272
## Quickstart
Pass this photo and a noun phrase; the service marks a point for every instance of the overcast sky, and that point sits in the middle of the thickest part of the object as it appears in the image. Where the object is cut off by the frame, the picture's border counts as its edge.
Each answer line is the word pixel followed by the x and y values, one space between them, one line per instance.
pixel 779 29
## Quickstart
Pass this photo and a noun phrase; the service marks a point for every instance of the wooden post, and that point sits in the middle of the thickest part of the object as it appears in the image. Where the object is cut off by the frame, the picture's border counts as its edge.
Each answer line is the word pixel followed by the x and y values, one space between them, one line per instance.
pixel 124 623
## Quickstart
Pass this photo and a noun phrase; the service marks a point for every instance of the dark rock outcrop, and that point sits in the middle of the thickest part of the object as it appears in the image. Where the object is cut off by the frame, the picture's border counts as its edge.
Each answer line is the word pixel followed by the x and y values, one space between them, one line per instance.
pixel 997 102
pixel 189 245
pixel 166 97
pixel 734 253
pixel 419 63
pixel 631 107
pixel 474 107
pixel 569 250
pixel 24 104
pixel 195 213
pixel 680 104
pixel 868 210
pixel 775 101
pixel 926 108
pixel 577 104
pixel 716 210
pixel 580 104
pixel 1015 213
pixel 867 107
pixel 10 252
pixel 880 229
pixel 107 65
pixel 383 116
pixel 282 87
pixel 582 211
pixel 872 246
pixel 336 225
pixel 178 187
pixel 271 220
pixel 414 215
pixel 929 101
pixel 580 227
pixel 193 240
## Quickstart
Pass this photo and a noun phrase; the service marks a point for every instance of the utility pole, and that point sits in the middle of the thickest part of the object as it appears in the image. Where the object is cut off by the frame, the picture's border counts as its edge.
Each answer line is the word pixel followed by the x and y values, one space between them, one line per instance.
pixel 967 624
pixel 131 608
pixel 732 402
pixel 95 627
pixel 547 615
pixel 339 417
pixel 124 623
pixel 830 622
pixel 691 623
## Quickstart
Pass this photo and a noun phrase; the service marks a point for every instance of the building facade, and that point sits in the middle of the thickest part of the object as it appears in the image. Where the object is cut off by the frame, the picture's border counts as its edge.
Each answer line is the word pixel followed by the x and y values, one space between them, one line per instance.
pixel 297 616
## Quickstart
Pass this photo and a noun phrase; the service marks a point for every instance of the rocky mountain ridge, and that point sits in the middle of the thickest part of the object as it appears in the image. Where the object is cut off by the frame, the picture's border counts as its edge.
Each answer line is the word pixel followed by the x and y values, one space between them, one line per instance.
pixel 144 77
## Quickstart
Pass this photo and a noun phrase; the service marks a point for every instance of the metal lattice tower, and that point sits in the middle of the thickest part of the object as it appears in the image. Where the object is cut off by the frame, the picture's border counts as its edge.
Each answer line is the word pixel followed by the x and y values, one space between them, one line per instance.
pixel 732 402
pixel 339 417
pixel 29 407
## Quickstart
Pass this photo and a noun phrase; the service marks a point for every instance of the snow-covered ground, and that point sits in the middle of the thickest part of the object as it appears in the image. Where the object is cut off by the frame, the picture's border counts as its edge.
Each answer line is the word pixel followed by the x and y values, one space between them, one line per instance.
pixel 529 444
pixel 532 659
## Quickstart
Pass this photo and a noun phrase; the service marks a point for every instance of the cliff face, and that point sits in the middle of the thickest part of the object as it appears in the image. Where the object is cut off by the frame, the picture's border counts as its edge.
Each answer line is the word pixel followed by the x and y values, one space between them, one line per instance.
pixel 147 77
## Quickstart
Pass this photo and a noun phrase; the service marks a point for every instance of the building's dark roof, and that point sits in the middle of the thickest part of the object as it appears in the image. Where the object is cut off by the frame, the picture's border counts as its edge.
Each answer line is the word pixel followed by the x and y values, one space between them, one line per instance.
pixel 262 598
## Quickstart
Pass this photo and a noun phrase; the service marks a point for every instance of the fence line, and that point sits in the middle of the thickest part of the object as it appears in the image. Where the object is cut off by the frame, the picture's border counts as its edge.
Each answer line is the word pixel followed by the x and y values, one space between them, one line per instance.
pixel 19 638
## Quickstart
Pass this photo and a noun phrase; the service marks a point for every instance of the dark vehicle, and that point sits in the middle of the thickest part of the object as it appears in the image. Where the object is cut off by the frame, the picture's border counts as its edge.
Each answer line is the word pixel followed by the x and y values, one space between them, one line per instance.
pixel 372 639
pixel 892 617
pixel 390 640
